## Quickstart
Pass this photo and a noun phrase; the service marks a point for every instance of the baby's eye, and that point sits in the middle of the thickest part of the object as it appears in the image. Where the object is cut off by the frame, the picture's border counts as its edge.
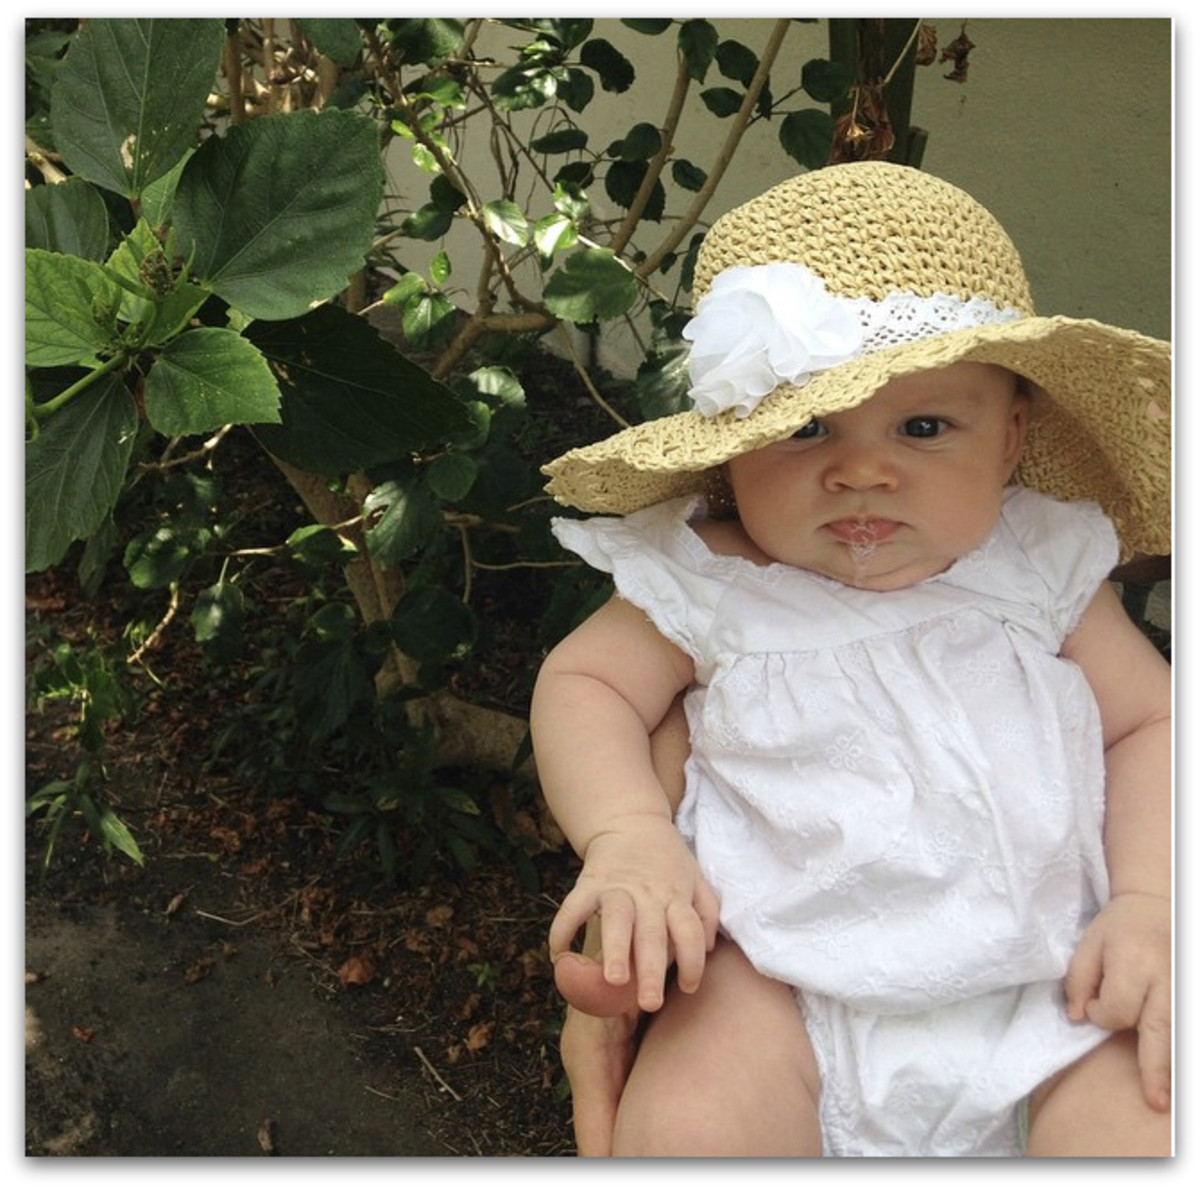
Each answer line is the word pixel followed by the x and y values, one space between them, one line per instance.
pixel 812 430
pixel 923 427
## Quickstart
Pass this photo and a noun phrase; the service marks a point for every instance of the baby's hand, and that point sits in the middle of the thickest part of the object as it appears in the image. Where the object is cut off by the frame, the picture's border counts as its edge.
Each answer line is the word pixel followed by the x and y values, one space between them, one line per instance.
pixel 654 905
pixel 1120 977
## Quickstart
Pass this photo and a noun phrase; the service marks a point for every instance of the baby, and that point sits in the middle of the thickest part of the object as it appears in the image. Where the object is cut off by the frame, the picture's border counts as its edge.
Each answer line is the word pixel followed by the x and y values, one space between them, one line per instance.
pixel 928 795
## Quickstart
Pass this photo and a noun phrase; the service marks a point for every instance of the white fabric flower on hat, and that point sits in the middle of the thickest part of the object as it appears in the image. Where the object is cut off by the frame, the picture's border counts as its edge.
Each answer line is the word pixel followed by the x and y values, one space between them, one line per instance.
pixel 760 325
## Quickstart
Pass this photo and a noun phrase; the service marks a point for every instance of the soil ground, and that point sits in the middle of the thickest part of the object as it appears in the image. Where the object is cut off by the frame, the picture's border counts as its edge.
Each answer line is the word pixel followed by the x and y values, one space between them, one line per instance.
pixel 251 991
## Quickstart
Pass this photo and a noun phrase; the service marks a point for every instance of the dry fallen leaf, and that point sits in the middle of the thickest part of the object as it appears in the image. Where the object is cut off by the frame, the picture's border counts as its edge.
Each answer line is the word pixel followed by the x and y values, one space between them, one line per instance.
pixel 480 1036
pixel 358 970
pixel 198 971
pixel 266 1137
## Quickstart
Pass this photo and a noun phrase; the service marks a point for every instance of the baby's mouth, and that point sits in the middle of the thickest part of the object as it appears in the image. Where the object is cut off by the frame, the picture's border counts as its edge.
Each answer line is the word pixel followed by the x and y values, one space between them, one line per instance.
pixel 863 530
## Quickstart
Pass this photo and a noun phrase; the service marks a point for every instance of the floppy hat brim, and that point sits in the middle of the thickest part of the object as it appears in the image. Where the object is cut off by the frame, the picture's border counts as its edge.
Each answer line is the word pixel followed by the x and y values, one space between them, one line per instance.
pixel 1100 430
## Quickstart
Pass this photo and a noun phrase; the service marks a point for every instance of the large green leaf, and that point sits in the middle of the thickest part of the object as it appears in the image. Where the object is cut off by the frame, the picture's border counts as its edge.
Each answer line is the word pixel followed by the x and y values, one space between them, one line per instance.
pixel 349 399
pixel 127 102
pixel 591 284
pixel 404 519
pixel 336 37
pixel 70 308
pixel 807 136
pixel 74 470
pixel 282 210
pixel 69 217
pixel 207 378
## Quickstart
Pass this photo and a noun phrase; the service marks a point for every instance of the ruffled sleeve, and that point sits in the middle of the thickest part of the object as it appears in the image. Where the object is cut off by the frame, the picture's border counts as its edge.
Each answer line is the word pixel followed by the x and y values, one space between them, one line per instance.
pixel 658 564
pixel 1071 547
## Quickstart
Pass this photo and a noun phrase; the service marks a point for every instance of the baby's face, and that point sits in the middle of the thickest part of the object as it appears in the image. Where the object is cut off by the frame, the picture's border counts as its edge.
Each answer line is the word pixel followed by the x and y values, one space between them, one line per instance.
pixel 891 492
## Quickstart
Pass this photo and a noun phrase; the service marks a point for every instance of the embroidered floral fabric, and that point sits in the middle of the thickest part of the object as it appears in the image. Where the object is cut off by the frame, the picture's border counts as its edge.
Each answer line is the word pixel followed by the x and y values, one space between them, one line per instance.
pixel 899 799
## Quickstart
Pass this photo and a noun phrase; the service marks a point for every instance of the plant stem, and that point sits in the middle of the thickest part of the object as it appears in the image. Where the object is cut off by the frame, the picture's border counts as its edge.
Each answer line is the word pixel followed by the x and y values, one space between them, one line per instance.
pixel 715 174
pixel 40 412
pixel 654 169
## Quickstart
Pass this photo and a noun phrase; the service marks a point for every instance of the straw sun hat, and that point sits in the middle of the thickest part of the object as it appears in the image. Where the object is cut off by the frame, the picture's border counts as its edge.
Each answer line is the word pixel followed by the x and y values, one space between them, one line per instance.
pixel 898 272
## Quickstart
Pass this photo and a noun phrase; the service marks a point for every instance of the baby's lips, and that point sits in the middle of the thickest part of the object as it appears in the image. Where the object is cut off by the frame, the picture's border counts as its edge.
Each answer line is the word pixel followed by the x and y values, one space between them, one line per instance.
pixel 868 531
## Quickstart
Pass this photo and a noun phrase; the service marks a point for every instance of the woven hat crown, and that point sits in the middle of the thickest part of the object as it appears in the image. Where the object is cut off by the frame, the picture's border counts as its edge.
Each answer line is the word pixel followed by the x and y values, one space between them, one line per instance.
pixel 871 229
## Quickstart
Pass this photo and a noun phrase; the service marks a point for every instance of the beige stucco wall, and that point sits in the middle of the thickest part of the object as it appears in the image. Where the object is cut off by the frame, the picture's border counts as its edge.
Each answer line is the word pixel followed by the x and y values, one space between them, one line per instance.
pixel 1063 129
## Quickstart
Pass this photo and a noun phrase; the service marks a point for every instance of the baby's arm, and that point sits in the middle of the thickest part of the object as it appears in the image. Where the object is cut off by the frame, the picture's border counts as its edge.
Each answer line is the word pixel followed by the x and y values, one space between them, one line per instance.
pixel 1120 975
pixel 598 697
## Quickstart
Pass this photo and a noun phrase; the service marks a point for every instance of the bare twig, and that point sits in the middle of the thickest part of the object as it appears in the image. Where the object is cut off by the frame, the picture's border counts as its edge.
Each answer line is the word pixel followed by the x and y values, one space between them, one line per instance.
pixel 654 169
pixel 437 1077
pixel 715 174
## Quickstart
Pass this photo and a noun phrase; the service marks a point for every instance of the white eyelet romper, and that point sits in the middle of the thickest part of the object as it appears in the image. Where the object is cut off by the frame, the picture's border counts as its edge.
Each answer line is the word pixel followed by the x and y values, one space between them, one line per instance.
pixel 899 798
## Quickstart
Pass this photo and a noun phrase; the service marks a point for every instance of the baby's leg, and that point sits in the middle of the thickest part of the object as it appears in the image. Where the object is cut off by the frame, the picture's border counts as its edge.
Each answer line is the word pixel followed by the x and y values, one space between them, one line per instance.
pixel 725 1071
pixel 1096 1108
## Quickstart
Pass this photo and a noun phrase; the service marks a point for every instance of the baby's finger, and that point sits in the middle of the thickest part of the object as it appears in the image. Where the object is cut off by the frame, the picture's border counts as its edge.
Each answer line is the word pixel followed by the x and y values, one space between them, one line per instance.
pixel 616 935
pixel 651 957
pixel 690 944
pixel 708 908
pixel 1119 1002
pixel 577 908
pixel 1082 981
pixel 1154 1047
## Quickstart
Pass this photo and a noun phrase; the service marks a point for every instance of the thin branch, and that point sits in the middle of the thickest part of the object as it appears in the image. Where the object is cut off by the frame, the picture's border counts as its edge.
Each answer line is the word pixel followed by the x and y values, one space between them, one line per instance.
pixel 692 217
pixel 581 371
pixel 654 170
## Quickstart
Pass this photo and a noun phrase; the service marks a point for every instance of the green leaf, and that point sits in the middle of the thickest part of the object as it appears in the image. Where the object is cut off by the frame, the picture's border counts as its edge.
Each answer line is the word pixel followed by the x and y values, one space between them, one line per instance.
pixel 349 399
pixel 564 140
pixel 500 385
pixel 70 308
pixel 624 179
pixel 69 217
pixel 688 176
pixel 698 44
pixel 440 268
pixel 207 378
pixel 127 100
pixel 506 221
pixel 591 284
pixel 429 319
pixel 451 476
pixel 331 681
pixel 428 222
pixel 157 558
pixel 426 40
pixel 721 101
pixel 652 26
pixel 408 519
pixel 737 61
pixel 336 37
pixel 74 471
pixel 577 89
pixel 825 81
pixel 555 233
pixel 431 624
pixel 115 833
pixel 318 545
pixel 218 618
pixel 641 142
pixel 523 87
pixel 280 211
pixel 807 136
pixel 406 289
pixel 615 70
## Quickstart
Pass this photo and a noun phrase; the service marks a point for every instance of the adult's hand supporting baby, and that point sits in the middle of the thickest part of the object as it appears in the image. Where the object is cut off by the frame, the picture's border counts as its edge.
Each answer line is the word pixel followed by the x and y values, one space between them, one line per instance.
pixel 1120 978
